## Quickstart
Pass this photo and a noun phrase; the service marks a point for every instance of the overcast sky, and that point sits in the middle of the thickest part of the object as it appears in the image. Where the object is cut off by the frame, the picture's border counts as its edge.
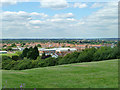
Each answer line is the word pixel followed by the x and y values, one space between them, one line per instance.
pixel 61 19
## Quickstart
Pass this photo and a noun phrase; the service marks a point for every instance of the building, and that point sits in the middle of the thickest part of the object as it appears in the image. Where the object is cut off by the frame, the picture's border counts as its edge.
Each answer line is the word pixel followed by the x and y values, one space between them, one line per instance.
pixel 64 51
pixel 18 48
pixel 47 51
pixel 15 49
pixel 21 48
pixel 56 51
pixel 95 46
pixel 3 52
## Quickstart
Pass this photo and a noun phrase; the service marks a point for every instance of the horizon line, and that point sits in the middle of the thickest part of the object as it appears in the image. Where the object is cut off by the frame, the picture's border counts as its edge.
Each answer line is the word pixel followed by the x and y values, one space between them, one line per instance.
pixel 58 38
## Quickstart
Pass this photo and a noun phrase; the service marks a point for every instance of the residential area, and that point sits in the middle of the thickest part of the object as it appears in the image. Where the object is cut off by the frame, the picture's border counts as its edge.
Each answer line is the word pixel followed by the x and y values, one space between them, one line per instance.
pixel 52 48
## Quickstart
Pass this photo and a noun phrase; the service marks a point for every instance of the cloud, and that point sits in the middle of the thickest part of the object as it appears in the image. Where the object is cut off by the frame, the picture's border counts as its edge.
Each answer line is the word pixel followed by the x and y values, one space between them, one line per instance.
pixel 21 15
pixel 102 23
pixel 80 5
pixel 17 24
pixel 8 2
pixel 11 2
pixel 97 5
pixel 54 4
pixel 64 15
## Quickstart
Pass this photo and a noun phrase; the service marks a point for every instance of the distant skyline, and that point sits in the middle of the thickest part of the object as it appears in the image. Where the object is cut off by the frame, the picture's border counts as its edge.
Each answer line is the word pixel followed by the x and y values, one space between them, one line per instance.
pixel 59 19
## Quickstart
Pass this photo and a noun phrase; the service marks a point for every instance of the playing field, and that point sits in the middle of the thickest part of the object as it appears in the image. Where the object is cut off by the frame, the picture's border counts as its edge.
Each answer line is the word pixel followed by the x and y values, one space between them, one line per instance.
pixel 103 74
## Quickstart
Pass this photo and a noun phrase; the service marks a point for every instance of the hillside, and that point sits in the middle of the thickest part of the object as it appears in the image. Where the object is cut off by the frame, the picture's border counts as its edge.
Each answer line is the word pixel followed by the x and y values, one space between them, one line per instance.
pixel 103 74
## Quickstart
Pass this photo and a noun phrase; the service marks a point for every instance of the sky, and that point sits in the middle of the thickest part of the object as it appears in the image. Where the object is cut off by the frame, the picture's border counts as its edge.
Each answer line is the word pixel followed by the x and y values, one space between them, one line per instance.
pixel 59 19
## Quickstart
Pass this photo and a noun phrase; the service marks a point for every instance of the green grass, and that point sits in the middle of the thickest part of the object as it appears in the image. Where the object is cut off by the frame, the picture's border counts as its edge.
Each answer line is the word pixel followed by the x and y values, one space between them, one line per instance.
pixel 103 74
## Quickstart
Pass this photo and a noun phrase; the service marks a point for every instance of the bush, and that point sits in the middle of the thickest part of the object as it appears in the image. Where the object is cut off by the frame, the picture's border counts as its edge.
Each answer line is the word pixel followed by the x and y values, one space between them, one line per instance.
pixel 87 55
pixel 47 62
pixel 15 57
pixel 44 57
pixel 69 58
pixel 23 64
pixel 50 61
pixel 4 58
pixel 103 53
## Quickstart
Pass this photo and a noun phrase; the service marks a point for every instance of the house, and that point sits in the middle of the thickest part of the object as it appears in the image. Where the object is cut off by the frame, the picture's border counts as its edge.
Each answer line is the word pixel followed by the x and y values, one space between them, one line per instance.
pixel 15 49
pixel 47 51
pixel 95 46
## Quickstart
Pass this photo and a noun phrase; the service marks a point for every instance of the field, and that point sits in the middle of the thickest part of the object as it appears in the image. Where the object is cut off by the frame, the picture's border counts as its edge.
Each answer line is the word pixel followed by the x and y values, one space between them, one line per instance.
pixel 103 74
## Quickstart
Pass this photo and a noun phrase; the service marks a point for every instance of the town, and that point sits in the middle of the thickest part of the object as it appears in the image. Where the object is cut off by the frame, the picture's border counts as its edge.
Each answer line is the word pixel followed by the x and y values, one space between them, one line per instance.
pixel 59 44
pixel 54 48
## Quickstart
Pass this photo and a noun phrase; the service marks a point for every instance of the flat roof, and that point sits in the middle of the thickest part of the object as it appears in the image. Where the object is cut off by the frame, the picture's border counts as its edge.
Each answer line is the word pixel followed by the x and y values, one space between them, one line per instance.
pixel 57 49
pixel 3 51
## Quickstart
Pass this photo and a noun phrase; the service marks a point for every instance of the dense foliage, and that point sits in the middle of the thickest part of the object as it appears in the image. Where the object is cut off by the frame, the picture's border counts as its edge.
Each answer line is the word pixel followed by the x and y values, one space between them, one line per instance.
pixel 31 53
pixel 32 60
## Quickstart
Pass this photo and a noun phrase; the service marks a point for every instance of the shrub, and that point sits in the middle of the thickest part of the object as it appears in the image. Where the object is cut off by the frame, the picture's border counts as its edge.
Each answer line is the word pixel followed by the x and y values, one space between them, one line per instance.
pixel 69 58
pixel 15 57
pixel 23 64
pixel 50 61
pixel 103 53
pixel 44 57
pixel 6 58
pixel 87 55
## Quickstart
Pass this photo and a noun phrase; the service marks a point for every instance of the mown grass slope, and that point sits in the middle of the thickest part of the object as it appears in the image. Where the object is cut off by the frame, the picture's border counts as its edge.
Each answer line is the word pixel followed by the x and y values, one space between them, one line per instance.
pixel 102 74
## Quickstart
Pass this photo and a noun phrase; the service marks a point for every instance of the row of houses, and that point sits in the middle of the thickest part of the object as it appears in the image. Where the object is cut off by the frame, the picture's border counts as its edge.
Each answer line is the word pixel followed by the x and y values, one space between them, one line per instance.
pixel 60 51
pixel 54 45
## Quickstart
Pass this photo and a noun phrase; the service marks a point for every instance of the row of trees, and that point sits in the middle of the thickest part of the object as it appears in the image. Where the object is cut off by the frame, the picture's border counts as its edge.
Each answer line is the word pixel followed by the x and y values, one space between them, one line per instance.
pixel 33 60
pixel 71 41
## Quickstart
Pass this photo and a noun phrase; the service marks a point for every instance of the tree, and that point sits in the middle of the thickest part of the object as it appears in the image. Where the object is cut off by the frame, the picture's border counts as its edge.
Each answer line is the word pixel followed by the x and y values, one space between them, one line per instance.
pixel 22 45
pixel 25 51
pixel 38 45
pixel 30 49
pixel 103 53
pixel 35 53
pixel 13 45
pixel 4 45
pixel 87 55
pixel 30 55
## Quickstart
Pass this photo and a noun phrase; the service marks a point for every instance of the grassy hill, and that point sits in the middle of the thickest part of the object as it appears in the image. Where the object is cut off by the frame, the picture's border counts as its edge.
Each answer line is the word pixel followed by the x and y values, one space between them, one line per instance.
pixel 103 74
